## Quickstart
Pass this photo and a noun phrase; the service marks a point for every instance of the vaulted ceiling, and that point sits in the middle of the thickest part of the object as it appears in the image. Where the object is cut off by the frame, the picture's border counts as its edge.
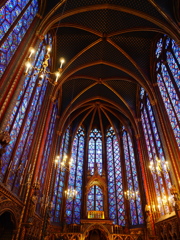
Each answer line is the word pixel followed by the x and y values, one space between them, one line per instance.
pixel 109 47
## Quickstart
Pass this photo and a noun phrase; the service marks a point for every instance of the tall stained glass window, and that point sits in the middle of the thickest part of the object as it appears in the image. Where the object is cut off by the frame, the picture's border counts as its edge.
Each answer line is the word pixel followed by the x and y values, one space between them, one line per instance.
pixel 95 199
pixel 132 181
pixel 95 151
pixel 73 205
pixel 47 148
pixel 59 179
pixel 115 183
pixel 168 71
pixel 15 19
pixel 162 182
pixel 23 120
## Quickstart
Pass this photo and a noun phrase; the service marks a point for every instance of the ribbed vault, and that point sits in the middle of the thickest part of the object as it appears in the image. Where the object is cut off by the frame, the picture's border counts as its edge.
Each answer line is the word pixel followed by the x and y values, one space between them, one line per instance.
pixel 108 46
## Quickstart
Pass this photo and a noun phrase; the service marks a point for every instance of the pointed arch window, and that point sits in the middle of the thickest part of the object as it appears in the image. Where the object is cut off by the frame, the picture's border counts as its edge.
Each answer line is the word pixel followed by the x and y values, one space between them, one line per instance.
pixel 162 181
pixel 95 151
pixel 132 180
pixel 15 19
pixel 22 122
pixel 73 206
pixel 115 182
pixel 168 71
pixel 95 199
pixel 59 179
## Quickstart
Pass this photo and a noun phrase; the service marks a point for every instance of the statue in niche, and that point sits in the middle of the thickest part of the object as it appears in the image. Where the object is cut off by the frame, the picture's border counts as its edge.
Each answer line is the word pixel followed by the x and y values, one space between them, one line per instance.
pixel 32 208
pixel 148 220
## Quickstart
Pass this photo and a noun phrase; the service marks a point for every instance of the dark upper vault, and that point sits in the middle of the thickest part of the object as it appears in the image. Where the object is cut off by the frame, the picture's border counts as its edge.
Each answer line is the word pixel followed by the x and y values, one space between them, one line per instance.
pixel 108 46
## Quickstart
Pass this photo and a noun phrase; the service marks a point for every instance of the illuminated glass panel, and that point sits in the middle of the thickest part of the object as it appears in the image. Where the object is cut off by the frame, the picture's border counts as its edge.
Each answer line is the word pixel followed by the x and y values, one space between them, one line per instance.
pixel 132 180
pixel 168 72
pixel 159 48
pixel 15 19
pixel 95 151
pixel 9 13
pixel 23 120
pixel 59 180
pixel 162 181
pixel 73 205
pixel 47 147
pixel 115 183
pixel 95 199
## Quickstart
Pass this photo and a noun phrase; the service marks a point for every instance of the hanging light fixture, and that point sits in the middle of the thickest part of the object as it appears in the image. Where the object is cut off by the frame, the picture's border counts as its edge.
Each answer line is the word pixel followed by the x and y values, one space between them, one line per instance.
pixel 43 71
pixel 131 194
pixel 156 166
pixel 70 193
pixel 64 166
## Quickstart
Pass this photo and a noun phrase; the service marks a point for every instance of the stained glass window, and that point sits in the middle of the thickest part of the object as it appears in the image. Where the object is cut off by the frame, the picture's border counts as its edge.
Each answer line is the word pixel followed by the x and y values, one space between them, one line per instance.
pixel 132 181
pixel 23 120
pixel 115 183
pixel 116 195
pixel 95 199
pixel 95 151
pixel 47 148
pixel 168 71
pixel 155 150
pixel 59 179
pixel 73 205
pixel 15 19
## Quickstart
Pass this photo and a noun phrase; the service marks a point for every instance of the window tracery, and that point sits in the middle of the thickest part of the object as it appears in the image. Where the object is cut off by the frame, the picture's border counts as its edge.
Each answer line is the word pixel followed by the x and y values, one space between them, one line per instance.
pixel 132 180
pixel 73 205
pixel 22 122
pixel 162 181
pixel 15 19
pixel 60 179
pixel 95 151
pixel 115 183
pixel 95 199
pixel 168 71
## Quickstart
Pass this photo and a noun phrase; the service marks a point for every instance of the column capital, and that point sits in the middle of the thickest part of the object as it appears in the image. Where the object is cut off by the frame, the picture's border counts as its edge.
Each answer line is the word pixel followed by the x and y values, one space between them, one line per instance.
pixel 138 120
pixel 153 102
pixel 52 98
pixel 40 36
pixel 59 133
pixel 155 84
pixel 137 136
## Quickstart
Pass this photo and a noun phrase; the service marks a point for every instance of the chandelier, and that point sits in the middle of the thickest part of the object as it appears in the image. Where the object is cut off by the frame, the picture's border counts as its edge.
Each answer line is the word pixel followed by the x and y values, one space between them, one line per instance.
pixel 43 71
pixel 164 201
pixel 156 166
pixel 131 194
pixel 70 193
pixel 64 166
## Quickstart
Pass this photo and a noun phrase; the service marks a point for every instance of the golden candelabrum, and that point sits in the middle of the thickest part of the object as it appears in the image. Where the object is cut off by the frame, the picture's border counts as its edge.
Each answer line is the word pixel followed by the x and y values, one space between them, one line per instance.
pixel 131 194
pixel 43 71
pixel 157 166
pixel 65 166
pixel 163 202
pixel 70 193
